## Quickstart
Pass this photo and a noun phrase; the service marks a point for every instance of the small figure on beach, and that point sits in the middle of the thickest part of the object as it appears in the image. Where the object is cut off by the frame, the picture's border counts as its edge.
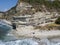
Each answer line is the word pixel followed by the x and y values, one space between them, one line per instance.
pixel 33 32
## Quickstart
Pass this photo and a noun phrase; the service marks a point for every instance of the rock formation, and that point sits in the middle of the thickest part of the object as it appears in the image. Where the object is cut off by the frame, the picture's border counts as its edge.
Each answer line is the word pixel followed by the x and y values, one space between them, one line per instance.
pixel 21 8
pixel 24 8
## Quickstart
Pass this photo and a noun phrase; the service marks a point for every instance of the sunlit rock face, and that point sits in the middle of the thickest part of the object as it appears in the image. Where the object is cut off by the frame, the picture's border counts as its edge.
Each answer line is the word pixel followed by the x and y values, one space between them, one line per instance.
pixel 21 8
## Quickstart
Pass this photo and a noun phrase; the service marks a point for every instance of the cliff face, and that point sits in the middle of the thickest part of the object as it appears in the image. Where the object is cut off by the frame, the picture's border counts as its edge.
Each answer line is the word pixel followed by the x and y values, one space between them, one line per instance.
pixel 8 14
pixel 20 9
pixel 29 7
pixel 39 13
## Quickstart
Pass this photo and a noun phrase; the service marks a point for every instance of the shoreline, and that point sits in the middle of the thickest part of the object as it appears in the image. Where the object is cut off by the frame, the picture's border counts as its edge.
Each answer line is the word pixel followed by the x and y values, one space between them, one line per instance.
pixel 31 33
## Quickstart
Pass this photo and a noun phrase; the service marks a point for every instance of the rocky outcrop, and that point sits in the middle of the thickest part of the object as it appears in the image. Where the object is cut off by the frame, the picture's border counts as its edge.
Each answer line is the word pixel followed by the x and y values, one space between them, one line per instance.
pixel 24 8
pixel 21 8
pixel 7 15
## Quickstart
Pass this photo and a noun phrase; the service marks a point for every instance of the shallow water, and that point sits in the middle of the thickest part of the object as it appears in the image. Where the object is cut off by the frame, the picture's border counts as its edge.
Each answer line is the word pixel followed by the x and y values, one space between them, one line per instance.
pixel 20 42
pixel 30 42
pixel 50 42
pixel 10 39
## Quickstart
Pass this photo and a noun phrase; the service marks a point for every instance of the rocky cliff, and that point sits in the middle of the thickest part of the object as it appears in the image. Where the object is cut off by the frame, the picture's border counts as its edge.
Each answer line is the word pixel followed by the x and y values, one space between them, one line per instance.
pixel 41 14
pixel 29 7
pixel 21 8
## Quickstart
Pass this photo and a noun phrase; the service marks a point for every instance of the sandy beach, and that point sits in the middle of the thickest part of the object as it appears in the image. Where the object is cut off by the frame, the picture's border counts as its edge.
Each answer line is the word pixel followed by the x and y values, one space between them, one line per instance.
pixel 28 31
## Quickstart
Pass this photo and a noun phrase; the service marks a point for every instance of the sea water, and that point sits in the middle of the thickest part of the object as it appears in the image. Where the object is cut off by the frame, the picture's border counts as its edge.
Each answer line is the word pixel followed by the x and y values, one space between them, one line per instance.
pixel 11 40
pixel 29 42
pixel 6 39
pixel 19 42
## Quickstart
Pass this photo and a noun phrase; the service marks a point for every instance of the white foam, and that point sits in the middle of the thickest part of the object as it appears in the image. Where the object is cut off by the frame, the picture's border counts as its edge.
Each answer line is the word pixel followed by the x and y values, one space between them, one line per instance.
pixel 30 42
pixel 19 42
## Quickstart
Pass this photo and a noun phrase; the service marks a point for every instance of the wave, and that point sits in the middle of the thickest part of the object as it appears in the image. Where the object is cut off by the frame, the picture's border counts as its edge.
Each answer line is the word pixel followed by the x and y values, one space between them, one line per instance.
pixel 20 42
pixel 31 42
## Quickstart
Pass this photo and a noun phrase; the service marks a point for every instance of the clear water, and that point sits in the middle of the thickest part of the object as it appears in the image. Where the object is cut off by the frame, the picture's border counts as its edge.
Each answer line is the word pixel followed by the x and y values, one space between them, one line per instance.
pixel 30 42
pixel 9 38
pixel 20 42
pixel 4 26
pixel 49 42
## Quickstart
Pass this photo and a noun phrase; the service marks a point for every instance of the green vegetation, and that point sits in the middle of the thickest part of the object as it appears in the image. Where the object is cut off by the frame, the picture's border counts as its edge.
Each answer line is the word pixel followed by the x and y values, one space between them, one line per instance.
pixel 58 21
pixel 55 4
pixel 48 27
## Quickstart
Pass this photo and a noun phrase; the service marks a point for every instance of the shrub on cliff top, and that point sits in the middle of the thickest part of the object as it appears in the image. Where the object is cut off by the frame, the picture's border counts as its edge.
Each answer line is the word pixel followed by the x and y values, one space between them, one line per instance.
pixel 58 21
pixel 55 4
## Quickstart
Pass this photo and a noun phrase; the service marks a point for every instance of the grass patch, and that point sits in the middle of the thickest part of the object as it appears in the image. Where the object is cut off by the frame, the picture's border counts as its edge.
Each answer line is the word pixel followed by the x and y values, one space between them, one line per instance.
pixel 53 24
